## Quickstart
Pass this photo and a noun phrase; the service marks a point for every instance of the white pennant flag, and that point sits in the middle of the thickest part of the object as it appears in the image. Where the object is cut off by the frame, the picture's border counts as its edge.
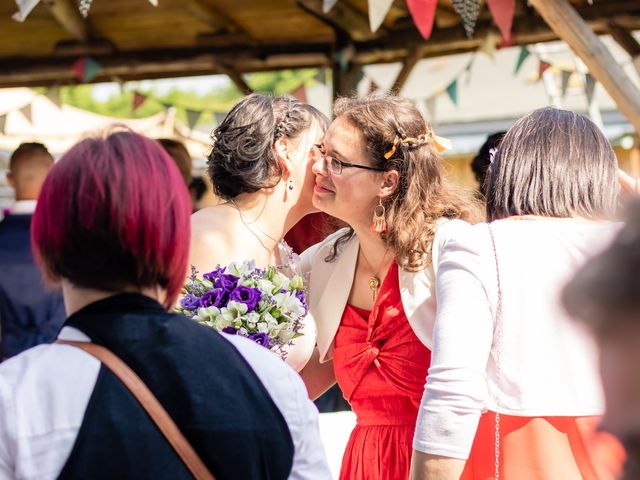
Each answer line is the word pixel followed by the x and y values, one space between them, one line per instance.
pixel 378 10
pixel 154 2
pixel 24 9
pixel 327 5
pixel 431 107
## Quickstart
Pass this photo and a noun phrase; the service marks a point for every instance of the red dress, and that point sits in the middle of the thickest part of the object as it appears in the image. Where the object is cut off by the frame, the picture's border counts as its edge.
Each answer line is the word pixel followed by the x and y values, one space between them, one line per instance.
pixel 381 367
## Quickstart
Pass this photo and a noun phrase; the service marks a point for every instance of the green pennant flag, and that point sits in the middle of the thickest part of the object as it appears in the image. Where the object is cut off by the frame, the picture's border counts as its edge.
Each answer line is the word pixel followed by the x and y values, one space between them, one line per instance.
pixel 524 53
pixel 452 91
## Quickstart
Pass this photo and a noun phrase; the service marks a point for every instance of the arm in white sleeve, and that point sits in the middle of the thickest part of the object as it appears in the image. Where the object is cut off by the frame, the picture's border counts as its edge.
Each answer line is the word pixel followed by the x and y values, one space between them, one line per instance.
pixel 455 393
pixel 7 417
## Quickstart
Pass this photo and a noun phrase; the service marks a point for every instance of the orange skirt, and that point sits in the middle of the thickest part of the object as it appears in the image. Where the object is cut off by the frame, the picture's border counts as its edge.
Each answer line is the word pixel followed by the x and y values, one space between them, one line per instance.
pixel 544 448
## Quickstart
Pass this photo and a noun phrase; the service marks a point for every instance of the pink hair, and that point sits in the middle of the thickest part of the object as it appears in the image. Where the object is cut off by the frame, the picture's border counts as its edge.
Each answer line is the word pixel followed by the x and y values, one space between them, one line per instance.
pixel 114 213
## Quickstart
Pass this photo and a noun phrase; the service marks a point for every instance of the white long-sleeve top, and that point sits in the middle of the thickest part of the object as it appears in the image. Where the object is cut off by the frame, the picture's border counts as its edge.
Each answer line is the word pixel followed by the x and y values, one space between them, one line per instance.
pixel 547 362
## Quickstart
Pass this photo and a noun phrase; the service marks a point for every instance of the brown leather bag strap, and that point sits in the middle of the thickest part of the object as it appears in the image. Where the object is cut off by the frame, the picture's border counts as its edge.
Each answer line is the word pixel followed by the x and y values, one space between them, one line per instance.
pixel 151 404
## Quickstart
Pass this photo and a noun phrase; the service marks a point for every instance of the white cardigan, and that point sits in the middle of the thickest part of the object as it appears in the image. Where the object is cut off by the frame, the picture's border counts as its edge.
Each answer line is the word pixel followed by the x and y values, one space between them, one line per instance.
pixel 330 284
pixel 547 362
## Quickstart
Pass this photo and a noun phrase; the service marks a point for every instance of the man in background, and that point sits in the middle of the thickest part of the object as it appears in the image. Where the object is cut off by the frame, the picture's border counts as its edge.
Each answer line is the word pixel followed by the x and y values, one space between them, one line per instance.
pixel 30 313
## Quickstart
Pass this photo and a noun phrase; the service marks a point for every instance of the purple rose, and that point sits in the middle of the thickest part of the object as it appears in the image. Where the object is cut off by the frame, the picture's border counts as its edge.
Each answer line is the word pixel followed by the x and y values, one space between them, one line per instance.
pixel 212 298
pixel 189 302
pixel 230 330
pixel 213 275
pixel 300 296
pixel 249 296
pixel 226 282
pixel 260 338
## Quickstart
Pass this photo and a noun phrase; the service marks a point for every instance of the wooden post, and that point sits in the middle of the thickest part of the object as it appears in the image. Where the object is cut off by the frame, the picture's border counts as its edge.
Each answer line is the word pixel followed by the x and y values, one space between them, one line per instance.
pixel 571 28
pixel 628 42
pixel 413 57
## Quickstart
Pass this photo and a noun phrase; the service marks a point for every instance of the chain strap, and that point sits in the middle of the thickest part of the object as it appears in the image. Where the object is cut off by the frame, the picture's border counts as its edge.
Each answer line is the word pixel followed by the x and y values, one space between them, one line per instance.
pixel 498 337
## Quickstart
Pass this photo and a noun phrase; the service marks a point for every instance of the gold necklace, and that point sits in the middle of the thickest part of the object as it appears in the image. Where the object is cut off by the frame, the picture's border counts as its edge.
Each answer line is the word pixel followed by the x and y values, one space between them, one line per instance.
pixel 374 280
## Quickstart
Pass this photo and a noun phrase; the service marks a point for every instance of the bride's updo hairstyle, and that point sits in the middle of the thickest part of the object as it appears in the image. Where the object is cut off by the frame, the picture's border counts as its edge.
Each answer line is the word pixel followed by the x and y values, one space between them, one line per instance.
pixel 243 159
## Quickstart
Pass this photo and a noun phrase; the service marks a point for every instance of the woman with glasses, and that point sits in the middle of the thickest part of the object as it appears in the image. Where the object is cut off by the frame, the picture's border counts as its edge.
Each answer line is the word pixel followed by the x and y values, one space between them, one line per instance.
pixel 370 287
pixel 260 167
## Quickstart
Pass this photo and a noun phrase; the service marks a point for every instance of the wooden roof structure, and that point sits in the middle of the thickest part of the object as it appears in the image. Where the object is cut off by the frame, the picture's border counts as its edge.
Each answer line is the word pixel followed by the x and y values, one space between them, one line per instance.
pixel 132 39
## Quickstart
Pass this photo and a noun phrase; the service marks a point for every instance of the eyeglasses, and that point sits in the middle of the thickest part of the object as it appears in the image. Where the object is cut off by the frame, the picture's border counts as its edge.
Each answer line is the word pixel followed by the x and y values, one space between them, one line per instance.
pixel 335 166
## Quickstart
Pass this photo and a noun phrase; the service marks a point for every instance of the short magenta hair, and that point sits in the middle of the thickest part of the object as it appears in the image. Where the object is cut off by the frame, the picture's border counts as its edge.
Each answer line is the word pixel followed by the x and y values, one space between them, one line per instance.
pixel 113 213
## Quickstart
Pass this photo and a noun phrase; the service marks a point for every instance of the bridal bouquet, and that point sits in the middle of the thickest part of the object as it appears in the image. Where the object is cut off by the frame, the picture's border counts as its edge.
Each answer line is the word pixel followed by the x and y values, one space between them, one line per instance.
pixel 265 306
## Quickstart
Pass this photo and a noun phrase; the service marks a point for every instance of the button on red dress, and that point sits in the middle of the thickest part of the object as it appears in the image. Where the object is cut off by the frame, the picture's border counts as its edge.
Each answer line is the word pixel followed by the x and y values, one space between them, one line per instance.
pixel 381 367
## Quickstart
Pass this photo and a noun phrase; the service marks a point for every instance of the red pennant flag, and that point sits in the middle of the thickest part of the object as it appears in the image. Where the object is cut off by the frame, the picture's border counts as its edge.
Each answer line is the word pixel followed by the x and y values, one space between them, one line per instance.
pixel 300 93
pixel 502 11
pixel 78 68
pixel 423 13
pixel 85 69
pixel 542 68
pixel 138 100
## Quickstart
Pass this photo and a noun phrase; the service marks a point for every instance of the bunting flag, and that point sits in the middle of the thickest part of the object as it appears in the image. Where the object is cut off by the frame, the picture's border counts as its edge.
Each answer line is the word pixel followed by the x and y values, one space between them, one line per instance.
pixel 138 100
pixel 502 12
pixel 154 2
pixel 321 76
pixel 423 13
pixel 192 117
pixel 468 11
pixel 300 93
pixel 566 76
pixel 431 108
pixel 378 10
pixel 589 87
pixel 542 68
pixel 24 9
pixel 452 91
pixel 490 44
pixel 53 94
pixel 85 69
pixel 3 122
pixel 524 53
pixel 26 111
pixel 327 5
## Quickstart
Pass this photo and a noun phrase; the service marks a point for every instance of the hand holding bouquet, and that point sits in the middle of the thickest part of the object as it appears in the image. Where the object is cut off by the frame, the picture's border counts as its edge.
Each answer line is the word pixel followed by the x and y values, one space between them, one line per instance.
pixel 265 306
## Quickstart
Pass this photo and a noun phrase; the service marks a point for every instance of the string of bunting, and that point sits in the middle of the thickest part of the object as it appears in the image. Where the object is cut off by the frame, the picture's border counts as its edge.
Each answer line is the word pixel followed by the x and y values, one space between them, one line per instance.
pixel 26 6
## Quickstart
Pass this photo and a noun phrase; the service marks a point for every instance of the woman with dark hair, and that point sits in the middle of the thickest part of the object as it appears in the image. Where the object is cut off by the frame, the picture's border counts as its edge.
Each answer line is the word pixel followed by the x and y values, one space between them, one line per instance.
pixel 378 171
pixel 513 389
pixel 260 167
pixel 112 226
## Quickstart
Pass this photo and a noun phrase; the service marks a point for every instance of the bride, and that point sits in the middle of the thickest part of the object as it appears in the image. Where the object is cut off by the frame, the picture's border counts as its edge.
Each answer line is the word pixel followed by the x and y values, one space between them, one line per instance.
pixel 260 167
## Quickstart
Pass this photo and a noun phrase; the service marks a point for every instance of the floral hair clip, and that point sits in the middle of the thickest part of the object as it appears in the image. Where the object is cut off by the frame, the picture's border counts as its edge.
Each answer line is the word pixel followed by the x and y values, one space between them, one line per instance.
pixel 392 150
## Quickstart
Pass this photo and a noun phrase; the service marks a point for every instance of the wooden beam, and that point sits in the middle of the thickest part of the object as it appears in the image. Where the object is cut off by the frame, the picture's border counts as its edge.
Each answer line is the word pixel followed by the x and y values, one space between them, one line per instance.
pixel 415 54
pixel 214 17
pixel 627 41
pixel 68 16
pixel 343 17
pixel 571 28
pixel 237 79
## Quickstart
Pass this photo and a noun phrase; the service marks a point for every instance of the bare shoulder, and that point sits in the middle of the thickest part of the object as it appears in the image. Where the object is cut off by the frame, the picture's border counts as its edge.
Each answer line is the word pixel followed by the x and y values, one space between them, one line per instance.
pixel 211 234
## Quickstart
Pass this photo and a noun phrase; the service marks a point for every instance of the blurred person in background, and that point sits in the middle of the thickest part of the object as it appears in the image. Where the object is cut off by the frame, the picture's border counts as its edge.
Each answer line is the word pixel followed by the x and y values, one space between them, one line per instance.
pixel 30 313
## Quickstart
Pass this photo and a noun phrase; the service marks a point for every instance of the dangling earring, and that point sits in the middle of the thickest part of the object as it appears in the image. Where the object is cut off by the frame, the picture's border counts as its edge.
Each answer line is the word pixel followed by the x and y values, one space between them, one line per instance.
pixel 290 184
pixel 379 224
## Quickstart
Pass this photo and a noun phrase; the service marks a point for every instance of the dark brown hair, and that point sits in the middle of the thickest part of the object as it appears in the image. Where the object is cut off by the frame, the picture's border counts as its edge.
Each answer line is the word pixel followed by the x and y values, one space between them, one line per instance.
pixel 553 163
pixel 180 155
pixel 423 196
pixel 242 158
